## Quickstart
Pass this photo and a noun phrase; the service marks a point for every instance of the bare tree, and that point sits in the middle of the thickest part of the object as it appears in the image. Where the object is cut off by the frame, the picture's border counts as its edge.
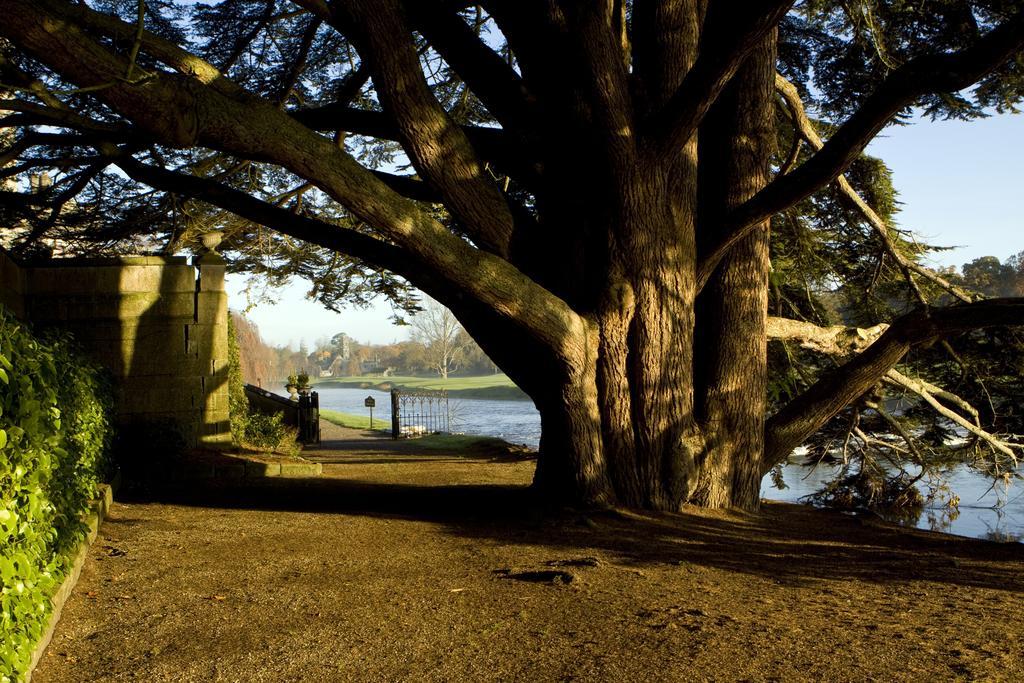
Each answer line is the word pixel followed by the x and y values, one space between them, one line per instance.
pixel 441 335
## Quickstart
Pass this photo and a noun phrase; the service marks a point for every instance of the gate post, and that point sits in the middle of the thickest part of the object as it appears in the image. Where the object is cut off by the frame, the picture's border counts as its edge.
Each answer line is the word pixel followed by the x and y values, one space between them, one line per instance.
pixel 304 403
pixel 315 417
pixel 395 428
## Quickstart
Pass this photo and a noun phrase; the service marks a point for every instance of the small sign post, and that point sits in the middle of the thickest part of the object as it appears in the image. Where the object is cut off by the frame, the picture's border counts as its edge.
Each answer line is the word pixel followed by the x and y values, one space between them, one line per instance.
pixel 370 402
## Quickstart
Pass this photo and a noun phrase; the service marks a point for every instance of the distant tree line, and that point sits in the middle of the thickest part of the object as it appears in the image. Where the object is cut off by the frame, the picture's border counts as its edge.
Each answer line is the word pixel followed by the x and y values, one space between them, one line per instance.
pixel 426 354
pixel 987 276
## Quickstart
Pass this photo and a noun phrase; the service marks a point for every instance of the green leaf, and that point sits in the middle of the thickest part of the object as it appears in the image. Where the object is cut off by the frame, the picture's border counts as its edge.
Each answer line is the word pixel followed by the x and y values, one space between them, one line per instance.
pixel 54 436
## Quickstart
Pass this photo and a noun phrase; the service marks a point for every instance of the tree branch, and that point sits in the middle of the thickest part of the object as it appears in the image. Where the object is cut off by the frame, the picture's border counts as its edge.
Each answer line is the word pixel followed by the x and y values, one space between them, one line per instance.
pixel 805 414
pixel 351 85
pixel 806 130
pixel 731 39
pixel 185 112
pixel 490 143
pixel 945 72
pixel 60 118
pixel 246 39
pixel 837 340
pixel 163 50
pixel 437 147
pixel 409 187
pixel 58 203
pixel 840 341
pixel 925 391
pixel 555 42
pixel 284 90
pixel 322 233
pixel 489 76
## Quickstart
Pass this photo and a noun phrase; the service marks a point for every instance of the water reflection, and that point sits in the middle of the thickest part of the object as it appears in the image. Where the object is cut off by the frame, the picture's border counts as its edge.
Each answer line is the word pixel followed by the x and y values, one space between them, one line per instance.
pixel 985 510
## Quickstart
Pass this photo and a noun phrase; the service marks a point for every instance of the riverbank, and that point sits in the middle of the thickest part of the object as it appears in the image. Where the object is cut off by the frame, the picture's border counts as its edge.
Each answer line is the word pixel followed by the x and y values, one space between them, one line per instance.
pixel 431 566
pixel 490 387
pixel 351 429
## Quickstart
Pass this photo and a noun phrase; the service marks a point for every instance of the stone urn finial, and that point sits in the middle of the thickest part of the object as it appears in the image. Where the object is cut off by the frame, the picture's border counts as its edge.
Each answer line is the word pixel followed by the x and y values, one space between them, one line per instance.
pixel 211 240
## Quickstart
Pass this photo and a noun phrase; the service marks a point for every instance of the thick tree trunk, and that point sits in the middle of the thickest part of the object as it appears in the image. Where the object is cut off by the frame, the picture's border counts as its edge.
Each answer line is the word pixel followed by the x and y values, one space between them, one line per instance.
pixel 674 412
pixel 735 152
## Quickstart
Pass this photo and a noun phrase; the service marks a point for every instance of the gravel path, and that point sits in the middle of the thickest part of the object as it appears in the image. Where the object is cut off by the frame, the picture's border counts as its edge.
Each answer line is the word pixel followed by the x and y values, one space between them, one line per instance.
pixel 397 566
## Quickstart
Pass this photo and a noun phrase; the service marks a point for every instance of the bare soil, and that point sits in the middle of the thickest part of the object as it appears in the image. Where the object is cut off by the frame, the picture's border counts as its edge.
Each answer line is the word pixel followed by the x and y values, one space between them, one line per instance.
pixel 398 566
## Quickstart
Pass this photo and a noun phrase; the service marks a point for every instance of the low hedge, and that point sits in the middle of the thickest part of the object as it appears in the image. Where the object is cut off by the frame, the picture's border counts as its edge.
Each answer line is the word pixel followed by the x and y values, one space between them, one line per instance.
pixel 55 435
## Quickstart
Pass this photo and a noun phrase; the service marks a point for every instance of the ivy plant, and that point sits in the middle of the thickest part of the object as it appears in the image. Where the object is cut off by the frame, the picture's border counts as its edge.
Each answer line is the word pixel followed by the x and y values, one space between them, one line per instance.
pixel 55 434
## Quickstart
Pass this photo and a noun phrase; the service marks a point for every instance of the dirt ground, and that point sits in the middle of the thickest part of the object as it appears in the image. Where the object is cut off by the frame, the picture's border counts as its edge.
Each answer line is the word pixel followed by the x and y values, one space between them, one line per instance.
pixel 403 567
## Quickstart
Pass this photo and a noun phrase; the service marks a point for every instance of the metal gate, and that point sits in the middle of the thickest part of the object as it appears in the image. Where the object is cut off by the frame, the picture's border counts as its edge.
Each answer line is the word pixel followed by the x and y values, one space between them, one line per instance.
pixel 309 418
pixel 419 412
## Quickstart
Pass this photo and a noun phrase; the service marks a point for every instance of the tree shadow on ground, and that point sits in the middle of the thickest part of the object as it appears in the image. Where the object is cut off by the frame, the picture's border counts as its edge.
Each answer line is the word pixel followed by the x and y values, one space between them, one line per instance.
pixel 790 544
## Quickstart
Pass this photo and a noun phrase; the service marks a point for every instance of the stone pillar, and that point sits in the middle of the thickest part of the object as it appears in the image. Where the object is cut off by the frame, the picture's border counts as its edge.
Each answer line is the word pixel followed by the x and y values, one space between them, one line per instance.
pixel 211 337
pixel 160 330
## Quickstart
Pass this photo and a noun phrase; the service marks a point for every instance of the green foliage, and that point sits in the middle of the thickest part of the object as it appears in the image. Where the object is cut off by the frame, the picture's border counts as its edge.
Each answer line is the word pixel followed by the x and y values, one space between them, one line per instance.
pixel 254 430
pixel 54 442
pixel 271 433
pixel 990 278
pixel 840 50
pixel 238 404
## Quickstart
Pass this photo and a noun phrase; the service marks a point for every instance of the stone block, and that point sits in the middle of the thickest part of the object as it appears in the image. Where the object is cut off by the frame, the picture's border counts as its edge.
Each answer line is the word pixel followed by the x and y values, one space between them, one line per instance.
pixel 215 420
pixel 148 260
pixel 218 367
pixel 13 302
pixel 107 308
pixel 101 333
pixel 157 278
pixel 298 470
pixel 49 308
pixel 72 281
pixel 211 308
pixel 157 305
pixel 166 393
pixel 184 422
pixel 215 428
pixel 112 278
pixel 216 441
pixel 164 338
pixel 255 469
pixel 209 342
pixel 216 401
pixel 211 275
pixel 157 365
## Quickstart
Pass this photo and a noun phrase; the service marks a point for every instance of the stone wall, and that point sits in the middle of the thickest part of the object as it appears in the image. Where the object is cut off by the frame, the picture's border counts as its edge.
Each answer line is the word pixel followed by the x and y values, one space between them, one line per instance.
pixel 157 322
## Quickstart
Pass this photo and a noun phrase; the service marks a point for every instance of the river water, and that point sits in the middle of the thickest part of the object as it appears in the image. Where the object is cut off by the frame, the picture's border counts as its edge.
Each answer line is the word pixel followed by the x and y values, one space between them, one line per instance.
pixel 984 511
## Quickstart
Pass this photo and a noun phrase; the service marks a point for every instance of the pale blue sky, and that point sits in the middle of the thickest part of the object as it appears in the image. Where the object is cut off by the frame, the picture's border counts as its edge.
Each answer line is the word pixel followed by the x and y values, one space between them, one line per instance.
pixel 961 184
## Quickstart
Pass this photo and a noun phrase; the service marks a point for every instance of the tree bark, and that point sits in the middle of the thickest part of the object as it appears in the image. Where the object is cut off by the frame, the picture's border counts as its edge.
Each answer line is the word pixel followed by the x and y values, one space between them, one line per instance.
pixel 732 353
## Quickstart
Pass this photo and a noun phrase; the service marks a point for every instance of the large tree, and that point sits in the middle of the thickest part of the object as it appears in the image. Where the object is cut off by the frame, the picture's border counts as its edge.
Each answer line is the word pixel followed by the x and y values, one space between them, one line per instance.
pixel 591 189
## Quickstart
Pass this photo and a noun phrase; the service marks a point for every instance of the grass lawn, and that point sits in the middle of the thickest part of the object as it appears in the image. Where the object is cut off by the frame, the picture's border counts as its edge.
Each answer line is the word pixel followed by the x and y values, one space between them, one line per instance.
pixel 495 387
pixel 355 421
